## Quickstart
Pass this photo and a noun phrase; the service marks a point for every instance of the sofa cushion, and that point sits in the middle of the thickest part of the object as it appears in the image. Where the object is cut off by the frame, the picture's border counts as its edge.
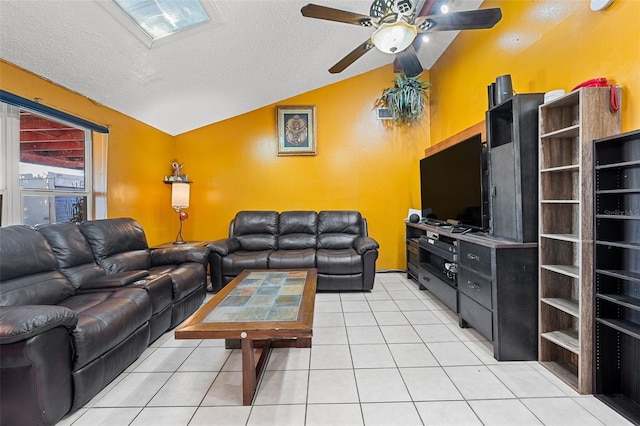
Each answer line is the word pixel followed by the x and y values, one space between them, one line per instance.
pixel 105 319
pixel 73 253
pixel 23 251
pixel 186 277
pixel 293 259
pixel 338 229
pixel 28 274
pixel 45 288
pixel 118 244
pixel 238 261
pixel 338 262
pixel 297 230
pixel 256 230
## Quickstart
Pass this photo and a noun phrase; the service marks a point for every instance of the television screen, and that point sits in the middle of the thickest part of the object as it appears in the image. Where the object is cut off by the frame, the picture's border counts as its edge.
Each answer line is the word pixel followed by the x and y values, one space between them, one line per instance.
pixel 451 183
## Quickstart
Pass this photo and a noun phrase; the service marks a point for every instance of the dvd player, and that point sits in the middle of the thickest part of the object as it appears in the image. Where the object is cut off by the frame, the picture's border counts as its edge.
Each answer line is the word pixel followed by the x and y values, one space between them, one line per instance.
pixel 442 245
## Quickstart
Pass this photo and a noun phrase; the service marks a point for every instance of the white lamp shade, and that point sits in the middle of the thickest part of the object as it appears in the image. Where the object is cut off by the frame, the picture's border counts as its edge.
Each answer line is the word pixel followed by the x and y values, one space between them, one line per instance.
pixel 395 37
pixel 179 195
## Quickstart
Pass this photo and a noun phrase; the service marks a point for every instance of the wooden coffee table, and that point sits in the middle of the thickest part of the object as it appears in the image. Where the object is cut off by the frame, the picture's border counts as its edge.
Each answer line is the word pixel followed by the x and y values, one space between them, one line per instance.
pixel 262 309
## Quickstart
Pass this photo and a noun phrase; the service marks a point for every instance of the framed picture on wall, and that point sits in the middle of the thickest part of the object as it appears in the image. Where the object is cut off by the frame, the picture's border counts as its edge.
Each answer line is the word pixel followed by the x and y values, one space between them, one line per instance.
pixel 296 126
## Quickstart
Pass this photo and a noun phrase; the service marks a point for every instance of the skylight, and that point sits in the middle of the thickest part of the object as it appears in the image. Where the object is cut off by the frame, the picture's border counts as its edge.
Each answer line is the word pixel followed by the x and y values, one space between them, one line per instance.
pixel 158 22
pixel 162 18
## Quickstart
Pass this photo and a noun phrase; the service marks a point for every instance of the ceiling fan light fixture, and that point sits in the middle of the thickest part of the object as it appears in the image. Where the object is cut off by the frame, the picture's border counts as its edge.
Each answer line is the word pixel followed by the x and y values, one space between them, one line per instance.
pixel 394 37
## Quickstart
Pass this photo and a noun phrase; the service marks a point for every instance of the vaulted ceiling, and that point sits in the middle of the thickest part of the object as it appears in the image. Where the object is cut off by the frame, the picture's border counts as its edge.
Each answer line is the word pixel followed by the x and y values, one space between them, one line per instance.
pixel 263 51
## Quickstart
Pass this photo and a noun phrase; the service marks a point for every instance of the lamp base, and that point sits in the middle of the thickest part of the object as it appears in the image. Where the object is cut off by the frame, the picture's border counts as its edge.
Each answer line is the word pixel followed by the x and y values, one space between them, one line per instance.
pixel 179 240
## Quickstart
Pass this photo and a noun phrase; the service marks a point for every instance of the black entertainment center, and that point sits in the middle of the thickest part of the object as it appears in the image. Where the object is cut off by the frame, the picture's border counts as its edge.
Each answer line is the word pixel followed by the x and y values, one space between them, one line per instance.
pixel 490 283
pixel 475 247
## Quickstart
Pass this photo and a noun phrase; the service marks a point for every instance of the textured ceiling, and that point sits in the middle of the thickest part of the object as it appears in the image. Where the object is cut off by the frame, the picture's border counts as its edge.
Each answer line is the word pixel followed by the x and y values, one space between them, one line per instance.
pixel 264 51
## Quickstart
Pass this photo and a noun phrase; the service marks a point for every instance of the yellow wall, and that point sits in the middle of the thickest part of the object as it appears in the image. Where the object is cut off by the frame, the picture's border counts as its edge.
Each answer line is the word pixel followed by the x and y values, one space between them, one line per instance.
pixel 138 155
pixel 544 45
pixel 360 164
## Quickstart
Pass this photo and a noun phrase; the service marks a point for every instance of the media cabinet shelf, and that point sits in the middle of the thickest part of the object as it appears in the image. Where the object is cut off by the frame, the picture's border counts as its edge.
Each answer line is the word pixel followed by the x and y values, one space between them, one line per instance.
pixel 568 132
pixel 570 167
pixel 625 275
pixel 567 128
pixel 562 237
pixel 567 339
pixel 568 270
pixel 616 176
pixel 627 327
pixel 622 300
pixel 569 306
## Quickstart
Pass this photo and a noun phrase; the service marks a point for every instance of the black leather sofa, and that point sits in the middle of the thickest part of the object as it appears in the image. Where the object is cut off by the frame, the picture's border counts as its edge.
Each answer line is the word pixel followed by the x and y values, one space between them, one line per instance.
pixel 78 304
pixel 334 242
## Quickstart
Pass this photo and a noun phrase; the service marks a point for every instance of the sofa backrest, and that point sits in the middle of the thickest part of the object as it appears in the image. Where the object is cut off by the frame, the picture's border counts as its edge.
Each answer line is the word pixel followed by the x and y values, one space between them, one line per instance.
pixel 256 230
pixel 73 253
pixel 118 244
pixel 337 229
pixel 297 230
pixel 28 274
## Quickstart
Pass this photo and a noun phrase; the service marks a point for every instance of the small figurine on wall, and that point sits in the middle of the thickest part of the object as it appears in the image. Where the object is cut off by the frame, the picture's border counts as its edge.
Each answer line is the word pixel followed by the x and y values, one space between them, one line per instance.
pixel 176 176
pixel 176 168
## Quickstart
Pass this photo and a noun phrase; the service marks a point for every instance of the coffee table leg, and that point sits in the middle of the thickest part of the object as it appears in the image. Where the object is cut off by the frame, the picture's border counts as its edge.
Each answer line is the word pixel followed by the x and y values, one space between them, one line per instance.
pixel 249 379
pixel 252 370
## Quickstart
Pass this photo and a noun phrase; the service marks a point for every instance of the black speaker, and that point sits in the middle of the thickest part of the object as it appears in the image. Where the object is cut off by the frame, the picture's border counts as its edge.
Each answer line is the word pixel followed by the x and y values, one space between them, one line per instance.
pixel 414 218
pixel 504 88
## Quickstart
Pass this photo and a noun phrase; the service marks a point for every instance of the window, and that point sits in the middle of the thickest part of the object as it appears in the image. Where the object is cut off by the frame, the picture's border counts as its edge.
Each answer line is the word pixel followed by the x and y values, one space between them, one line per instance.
pixel 49 176
pixel 52 170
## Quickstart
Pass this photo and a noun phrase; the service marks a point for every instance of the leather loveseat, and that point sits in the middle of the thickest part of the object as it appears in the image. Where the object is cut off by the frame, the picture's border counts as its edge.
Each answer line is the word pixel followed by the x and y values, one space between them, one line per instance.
pixel 78 304
pixel 334 242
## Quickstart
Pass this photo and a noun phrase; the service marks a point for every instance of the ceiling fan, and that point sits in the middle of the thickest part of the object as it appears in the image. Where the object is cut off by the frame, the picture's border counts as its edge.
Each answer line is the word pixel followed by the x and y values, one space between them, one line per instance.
pixel 397 24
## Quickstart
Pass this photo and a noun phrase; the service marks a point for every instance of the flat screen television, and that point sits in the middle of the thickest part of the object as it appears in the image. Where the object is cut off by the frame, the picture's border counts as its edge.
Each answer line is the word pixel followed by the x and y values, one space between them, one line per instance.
pixel 451 183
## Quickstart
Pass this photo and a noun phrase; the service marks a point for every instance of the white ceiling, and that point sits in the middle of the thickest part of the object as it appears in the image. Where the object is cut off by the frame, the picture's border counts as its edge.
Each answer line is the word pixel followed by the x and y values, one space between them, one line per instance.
pixel 264 51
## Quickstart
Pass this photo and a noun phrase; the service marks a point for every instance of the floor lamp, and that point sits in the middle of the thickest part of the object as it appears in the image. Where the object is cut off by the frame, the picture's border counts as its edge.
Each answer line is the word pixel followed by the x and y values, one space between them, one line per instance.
pixel 179 201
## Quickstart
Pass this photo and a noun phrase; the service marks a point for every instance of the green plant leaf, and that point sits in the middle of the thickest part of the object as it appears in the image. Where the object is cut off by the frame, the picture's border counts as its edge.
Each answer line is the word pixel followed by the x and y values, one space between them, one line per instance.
pixel 406 100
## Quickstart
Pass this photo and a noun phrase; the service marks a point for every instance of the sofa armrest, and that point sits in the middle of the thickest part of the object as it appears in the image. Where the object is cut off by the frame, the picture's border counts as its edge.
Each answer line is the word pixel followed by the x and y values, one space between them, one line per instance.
pixel 363 244
pixel 217 251
pixel 22 322
pixel 178 255
pixel 225 246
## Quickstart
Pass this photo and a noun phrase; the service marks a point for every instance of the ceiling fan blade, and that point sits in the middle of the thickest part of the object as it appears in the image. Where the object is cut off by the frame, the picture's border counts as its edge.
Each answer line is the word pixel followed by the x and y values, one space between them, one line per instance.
pixel 409 62
pixel 351 57
pixel 336 15
pixel 423 8
pixel 468 20
pixel 397 66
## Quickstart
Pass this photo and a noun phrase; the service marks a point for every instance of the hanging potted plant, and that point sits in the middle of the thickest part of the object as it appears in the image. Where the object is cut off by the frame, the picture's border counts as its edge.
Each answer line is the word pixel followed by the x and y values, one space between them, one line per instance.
pixel 406 100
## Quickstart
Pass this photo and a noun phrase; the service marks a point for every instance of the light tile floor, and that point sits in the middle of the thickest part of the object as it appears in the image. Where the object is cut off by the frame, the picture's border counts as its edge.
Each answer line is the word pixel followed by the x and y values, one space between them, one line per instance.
pixel 394 356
